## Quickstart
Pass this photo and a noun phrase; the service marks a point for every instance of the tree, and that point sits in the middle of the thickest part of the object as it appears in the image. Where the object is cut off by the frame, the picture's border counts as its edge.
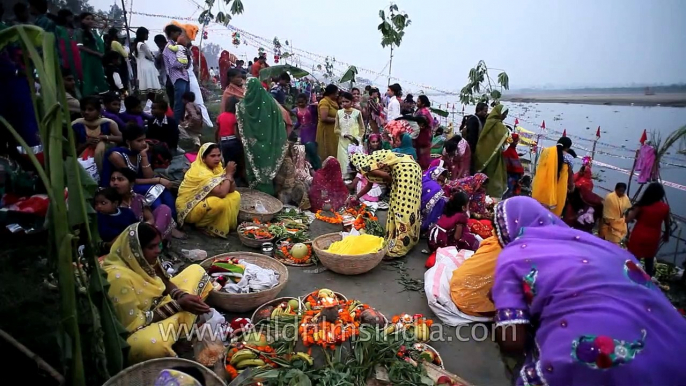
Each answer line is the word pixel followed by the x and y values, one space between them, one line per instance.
pixel 392 30
pixel 211 53
pixel 481 87
pixel 236 8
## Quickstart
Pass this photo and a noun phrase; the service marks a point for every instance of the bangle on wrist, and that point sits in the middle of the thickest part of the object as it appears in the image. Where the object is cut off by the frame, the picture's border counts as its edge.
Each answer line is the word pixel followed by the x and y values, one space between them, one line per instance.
pixel 146 166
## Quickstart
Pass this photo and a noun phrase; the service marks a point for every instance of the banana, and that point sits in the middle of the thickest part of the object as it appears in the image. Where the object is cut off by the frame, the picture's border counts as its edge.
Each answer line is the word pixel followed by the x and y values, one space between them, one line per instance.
pixel 288 310
pixel 422 332
pixel 308 306
pixel 276 312
pixel 249 362
pixel 303 356
pixel 242 355
pixel 390 329
pixel 325 293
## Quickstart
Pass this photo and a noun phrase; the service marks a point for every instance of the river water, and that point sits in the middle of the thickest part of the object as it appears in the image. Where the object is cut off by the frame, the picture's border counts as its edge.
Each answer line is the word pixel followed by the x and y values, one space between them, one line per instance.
pixel 620 130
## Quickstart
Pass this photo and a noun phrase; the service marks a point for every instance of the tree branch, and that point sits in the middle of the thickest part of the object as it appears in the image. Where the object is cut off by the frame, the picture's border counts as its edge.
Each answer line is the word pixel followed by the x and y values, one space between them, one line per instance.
pixel 39 361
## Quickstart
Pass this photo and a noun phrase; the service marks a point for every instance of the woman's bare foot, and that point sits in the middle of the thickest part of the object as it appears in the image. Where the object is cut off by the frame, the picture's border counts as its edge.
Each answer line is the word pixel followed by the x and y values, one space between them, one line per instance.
pixel 177 234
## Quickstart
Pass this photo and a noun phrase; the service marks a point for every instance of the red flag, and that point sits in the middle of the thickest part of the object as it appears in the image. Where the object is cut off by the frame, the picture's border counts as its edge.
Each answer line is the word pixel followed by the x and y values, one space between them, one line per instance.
pixel 597 133
pixel 543 125
pixel 644 138
pixel 516 122
pixel 564 133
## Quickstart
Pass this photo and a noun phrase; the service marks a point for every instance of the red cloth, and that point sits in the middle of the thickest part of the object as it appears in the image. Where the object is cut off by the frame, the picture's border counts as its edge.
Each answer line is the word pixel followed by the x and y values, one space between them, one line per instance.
pixel 483 228
pixel 584 178
pixel 423 146
pixel 255 70
pixel 514 165
pixel 328 185
pixel 430 261
pixel 647 233
pixel 227 124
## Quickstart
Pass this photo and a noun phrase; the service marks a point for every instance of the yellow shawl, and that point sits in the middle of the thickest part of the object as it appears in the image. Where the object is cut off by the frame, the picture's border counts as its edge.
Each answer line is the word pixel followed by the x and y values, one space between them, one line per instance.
pixel 197 183
pixel 134 286
pixel 547 188
pixel 473 280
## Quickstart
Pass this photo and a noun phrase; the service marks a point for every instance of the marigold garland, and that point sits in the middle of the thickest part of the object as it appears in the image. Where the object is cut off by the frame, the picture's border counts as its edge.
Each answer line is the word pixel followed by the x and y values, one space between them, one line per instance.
pixel 287 255
pixel 337 219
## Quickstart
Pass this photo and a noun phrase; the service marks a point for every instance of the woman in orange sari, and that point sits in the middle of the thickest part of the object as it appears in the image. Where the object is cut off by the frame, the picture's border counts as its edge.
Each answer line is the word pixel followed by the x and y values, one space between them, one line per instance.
pixel 472 281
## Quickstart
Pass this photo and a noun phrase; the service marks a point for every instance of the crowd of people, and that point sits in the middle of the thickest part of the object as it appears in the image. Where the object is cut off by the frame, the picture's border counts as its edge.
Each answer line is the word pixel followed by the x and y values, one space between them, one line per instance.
pixel 334 148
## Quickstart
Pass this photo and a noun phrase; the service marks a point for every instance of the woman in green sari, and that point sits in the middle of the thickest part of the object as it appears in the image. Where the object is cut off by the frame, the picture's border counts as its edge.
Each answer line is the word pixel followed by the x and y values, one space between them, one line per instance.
pixel 489 151
pixel 92 50
pixel 263 132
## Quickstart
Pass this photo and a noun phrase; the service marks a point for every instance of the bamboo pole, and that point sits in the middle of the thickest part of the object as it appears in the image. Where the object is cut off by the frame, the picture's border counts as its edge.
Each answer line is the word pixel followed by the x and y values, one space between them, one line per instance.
pixel 42 364
pixel 631 175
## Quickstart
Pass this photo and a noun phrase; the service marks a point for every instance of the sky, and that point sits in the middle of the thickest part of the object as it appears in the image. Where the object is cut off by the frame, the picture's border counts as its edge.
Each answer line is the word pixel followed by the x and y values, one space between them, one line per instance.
pixel 541 43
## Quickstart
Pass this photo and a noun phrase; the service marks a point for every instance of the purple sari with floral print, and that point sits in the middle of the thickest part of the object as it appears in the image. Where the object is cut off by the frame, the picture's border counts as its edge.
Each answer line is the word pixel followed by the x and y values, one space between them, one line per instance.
pixel 599 319
pixel 433 198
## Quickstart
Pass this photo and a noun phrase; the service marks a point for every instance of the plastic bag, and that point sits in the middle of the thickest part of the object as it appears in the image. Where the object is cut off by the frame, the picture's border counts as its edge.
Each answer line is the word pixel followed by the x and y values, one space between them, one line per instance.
pixel 209 347
pixel 437 287
pixel 91 168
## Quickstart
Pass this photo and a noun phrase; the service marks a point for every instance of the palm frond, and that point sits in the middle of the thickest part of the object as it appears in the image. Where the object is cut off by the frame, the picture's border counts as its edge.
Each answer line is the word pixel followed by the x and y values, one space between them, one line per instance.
pixel 664 145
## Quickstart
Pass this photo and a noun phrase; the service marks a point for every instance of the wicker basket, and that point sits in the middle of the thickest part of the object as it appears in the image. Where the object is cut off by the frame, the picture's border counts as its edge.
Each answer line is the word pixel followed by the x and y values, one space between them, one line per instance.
pixel 248 302
pixel 276 302
pixel 247 241
pixel 249 199
pixel 344 264
pixel 145 373
pixel 438 355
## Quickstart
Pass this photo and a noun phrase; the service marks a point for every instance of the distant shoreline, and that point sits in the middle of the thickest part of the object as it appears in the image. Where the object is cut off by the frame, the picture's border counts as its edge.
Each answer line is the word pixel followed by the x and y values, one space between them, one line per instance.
pixel 665 100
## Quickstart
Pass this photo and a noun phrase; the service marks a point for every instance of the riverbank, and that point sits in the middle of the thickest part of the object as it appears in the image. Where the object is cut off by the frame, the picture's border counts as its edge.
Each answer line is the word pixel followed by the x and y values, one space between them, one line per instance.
pixel 627 99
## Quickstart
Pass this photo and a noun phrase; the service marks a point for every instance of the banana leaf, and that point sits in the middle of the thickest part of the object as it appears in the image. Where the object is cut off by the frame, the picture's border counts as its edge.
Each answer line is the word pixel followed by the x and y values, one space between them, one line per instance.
pixel 439 112
pixel 275 71
pixel 349 75
pixel 78 195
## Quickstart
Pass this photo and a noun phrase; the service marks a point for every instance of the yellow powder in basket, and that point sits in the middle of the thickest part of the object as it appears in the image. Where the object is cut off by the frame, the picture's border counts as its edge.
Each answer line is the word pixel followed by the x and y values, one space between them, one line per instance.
pixel 356 245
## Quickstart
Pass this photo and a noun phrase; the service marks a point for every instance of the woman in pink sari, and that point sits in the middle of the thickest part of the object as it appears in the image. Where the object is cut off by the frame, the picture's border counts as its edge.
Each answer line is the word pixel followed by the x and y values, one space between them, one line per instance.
pixel 462 160
pixel 328 188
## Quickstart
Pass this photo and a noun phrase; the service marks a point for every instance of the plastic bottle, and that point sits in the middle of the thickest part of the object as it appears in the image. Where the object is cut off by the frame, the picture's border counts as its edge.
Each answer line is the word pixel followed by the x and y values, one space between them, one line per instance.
pixel 194 254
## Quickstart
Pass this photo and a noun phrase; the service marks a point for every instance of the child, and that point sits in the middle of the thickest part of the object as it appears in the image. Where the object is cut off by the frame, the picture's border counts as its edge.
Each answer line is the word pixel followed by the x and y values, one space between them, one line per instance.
pixel 451 228
pixel 191 126
pixel 367 192
pixel 181 53
pixel 349 127
pixel 112 63
pixel 93 132
pixel 162 127
pixel 134 111
pixel 112 220
pixel 229 139
pixel 307 119
pixel 112 103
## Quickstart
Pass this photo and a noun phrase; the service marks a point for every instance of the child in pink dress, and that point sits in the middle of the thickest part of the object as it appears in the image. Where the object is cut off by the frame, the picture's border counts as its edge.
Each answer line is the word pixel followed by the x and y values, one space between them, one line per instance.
pixel 451 228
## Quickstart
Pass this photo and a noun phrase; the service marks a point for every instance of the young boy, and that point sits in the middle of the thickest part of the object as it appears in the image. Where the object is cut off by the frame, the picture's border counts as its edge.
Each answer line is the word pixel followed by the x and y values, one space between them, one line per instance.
pixel 162 127
pixel 134 111
pixel 112 102
pixel 191 127
pixel 112 220
pixel 112 63
pixel 228 138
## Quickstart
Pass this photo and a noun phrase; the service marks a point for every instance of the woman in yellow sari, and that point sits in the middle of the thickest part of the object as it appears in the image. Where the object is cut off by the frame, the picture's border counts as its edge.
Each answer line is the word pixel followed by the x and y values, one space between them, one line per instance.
pixel 207 196
pixel 613 227
pixel 405 177
pixel 489 151
pixel 554 177
pixel 327 110
pixel 154 309
pixel 472 281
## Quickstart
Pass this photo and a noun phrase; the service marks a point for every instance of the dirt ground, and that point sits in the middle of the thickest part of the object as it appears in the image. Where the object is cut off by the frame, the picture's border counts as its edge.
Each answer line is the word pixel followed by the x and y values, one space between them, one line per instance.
pixel 476 362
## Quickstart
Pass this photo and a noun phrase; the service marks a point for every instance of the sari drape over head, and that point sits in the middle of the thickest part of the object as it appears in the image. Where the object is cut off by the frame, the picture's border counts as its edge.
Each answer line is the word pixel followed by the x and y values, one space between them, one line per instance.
pixel 433 197
pixel 549 188
pixel 489 152
pixel 473 187
pixel 262 130
pixel 406 146
pixel 195 205
pixel 136 291
pixel 328 186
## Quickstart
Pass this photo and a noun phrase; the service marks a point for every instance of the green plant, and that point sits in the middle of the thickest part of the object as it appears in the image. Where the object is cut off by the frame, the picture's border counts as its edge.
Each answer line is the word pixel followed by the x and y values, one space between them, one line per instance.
pixel 481 87
pixel 67 227
pixel 392 30
pixel 235 8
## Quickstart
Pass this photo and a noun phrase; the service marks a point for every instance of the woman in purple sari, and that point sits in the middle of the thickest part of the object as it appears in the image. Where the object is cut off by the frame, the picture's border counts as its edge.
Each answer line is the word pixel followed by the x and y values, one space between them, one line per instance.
pixel 307 119
pixel 123 180
pixel 433 198
pixel 595 315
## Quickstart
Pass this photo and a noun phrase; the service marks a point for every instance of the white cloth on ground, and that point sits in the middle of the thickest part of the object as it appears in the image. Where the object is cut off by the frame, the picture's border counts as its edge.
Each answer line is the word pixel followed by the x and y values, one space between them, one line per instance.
pixel 255 279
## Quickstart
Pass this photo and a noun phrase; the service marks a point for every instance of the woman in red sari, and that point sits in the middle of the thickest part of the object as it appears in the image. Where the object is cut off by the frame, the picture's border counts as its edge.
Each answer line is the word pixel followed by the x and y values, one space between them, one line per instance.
pixel 328 188
pixel 584 208
pixel 650 212
pixel 423 141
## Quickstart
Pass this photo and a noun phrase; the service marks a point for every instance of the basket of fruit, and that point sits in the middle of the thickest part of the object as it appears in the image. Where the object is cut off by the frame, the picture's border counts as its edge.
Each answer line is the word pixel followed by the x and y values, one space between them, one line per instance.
pixel 244 302
pixel 253 235
pixel 295 255
pixel 257 205
pixel 344 264
pixel 275 308
pixel 421 352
